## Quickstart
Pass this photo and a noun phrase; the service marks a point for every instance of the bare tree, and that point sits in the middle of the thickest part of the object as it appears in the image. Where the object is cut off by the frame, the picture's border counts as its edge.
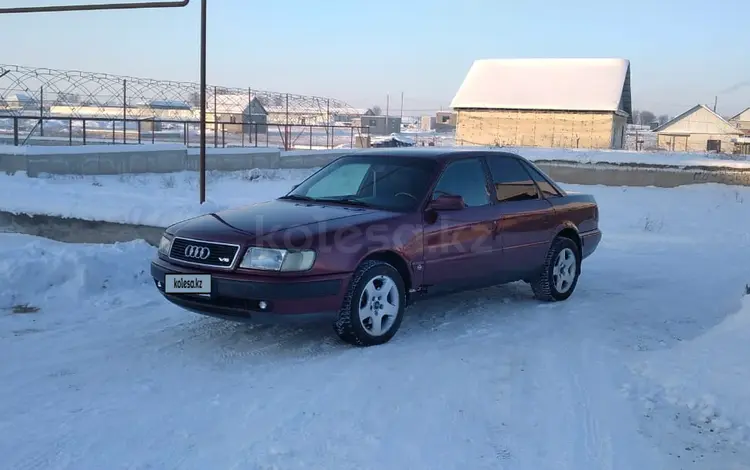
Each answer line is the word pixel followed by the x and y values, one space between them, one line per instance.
pixel 376 110
pixel 663 119
pixel 646 117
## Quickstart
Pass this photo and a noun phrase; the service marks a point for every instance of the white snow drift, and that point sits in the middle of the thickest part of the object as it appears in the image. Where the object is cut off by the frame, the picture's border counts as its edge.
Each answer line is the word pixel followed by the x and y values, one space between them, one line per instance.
pixel 641 369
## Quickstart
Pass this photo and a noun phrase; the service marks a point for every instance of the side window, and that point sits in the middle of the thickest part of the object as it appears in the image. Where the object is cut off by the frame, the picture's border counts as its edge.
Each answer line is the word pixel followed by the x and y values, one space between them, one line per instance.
pixel 512 182
pixel 464 178
pixel 547 189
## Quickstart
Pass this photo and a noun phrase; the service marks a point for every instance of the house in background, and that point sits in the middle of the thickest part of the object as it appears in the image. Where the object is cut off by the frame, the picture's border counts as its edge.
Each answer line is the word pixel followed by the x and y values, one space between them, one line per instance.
pixel 579 103
pixel 299 115
pixel 379 125
pixel 20 103
pixel 346 116
pixel 233 112
pixel 742 121
pixel 445 121
pixel 698 129
pixel 168 110
pixel 103 116
pixel 427 123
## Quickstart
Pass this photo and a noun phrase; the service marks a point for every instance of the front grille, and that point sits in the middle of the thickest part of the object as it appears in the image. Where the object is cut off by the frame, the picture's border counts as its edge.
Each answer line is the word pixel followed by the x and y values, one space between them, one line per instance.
pixel 220 255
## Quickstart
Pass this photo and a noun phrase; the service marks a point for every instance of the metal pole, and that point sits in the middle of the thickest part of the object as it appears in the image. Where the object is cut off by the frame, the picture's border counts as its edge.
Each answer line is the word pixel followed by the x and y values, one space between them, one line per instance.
pixel 249 115
pixel 202 157
pixel 250 128
pixel 124 110
pixel 287 134
pixel 216 119
pixel 41 111
pixel 387 112
pixel 100 6
pixel 402 105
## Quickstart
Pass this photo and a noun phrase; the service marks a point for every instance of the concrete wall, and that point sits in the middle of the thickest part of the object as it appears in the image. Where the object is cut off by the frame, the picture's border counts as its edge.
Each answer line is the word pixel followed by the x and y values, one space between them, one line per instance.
pixel 125 159
pixel 617 175
pixel 311 158
pixel 108 160
pixel 77 230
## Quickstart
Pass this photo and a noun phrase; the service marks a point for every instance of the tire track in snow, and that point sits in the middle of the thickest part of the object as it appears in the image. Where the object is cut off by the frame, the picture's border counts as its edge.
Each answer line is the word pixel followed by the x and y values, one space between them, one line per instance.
pixel 579 418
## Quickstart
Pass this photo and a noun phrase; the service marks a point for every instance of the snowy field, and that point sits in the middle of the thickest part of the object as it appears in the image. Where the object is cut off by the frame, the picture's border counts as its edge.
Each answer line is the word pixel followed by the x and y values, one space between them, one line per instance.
pixel 162 199
pixel 157 200
pixel 645 367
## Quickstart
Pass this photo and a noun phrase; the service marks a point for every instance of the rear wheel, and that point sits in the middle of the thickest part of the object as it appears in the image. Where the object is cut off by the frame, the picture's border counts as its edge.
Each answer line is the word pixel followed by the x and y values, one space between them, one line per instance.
pixel 373 307
pixel 559 276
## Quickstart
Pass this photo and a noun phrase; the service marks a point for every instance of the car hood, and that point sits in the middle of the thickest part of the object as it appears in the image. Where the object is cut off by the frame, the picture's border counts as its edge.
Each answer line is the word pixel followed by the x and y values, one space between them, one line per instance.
pixel 263 219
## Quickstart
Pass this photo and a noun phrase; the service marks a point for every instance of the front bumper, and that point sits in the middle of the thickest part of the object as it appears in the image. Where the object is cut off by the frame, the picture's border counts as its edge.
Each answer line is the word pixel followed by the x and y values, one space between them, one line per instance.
pixel 234 298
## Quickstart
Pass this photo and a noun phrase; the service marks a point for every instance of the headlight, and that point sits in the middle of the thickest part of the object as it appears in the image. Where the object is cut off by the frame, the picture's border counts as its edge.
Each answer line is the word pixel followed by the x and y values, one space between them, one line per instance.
pixel 273 259
pixel 165 244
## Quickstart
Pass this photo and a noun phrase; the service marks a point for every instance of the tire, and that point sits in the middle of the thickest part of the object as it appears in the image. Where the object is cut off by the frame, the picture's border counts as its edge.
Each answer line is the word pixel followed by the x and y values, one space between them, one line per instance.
pixel 563 254
pixel 387 308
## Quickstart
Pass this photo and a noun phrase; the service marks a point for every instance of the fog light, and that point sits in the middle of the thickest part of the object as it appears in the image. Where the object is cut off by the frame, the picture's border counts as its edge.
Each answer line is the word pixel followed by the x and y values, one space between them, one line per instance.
pixel 263 305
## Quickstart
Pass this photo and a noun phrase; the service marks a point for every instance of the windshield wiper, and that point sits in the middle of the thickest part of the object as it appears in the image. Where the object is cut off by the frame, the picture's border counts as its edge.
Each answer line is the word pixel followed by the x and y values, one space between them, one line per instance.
pixel 297 197
pixel 345 200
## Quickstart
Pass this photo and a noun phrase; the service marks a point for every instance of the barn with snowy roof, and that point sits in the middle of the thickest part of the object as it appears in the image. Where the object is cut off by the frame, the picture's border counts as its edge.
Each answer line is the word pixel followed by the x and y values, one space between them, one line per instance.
pixel 573 103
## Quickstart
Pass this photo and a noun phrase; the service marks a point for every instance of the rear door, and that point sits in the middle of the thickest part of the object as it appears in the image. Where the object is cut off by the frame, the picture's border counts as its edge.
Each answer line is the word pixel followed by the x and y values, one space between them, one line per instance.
pixel 524 217
pixel 459 246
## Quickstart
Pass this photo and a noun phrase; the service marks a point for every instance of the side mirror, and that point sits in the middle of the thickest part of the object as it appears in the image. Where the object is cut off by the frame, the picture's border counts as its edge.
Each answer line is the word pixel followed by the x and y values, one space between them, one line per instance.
pixel 447 203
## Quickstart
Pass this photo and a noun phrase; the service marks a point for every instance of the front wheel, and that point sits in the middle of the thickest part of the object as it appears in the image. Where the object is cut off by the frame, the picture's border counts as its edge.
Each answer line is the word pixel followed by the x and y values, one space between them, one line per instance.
pixel 373 306
pixel 559 276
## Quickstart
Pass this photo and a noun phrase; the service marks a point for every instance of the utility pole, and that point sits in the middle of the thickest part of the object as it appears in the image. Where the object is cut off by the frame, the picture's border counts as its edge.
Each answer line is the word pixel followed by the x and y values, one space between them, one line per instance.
pixel 387 111
pixel 402 105
pixel 143 6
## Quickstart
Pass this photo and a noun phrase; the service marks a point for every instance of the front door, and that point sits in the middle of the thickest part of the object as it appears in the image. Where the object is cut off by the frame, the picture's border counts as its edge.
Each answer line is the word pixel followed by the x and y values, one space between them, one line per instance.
pixel 459 245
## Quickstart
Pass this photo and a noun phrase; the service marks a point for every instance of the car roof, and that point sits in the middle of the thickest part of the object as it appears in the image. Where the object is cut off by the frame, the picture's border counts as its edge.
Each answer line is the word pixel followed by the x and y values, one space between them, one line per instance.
pixel 433 153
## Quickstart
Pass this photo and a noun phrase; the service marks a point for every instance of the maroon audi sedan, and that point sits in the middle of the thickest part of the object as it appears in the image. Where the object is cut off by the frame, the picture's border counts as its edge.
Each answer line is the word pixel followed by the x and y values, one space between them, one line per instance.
pixel 373 231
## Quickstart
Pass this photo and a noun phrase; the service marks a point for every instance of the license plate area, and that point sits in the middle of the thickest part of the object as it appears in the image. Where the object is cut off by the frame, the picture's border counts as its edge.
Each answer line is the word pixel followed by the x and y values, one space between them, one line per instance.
pixel 195 284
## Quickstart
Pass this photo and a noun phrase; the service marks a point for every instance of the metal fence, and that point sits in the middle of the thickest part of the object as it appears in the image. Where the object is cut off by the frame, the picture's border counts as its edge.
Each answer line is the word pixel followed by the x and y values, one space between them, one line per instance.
pixel 27 91
pixel 68 130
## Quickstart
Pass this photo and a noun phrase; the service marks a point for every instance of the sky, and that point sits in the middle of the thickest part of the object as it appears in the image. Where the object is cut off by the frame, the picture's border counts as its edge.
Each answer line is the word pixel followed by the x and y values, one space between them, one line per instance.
pixel 682 52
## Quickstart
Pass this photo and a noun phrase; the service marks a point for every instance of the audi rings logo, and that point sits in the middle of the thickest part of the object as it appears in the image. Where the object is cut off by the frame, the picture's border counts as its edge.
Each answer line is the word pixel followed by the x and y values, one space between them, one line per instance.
pixel 197 252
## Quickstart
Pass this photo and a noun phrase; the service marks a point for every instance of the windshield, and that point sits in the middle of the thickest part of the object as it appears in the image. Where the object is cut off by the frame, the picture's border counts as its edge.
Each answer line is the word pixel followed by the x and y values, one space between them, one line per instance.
pixel 378 181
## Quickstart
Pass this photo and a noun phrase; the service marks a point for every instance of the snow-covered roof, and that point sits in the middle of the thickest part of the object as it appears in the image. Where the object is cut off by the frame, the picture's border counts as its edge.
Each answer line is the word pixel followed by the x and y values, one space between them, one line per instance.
pixel 168 104
pixel 740 117
pixel 21 98
pixel 302 109
pixel 547 84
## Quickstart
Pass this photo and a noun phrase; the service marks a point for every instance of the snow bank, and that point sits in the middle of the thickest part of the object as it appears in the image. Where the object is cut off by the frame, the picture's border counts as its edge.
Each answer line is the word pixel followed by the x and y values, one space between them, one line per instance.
pixel 41 272
pixel 709 375
pixel 157 200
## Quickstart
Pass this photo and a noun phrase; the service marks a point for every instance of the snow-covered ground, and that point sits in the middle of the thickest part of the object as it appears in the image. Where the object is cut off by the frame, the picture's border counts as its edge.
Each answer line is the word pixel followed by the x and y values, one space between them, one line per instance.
pixel 645 367
pixel 162 199
pixel 157 200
